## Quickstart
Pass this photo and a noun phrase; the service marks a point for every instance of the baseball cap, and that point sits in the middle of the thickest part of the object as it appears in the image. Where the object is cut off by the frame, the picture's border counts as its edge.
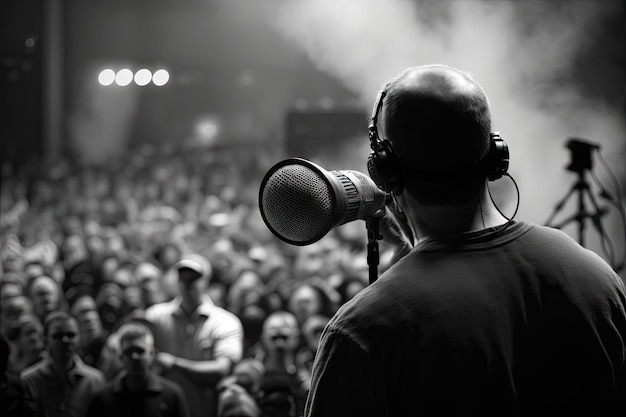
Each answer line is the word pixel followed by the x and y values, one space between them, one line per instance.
pixel 195 262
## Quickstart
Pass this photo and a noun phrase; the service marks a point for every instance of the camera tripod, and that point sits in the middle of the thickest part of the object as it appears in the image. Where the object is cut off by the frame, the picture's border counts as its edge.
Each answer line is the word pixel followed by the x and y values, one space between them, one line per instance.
pixel 581 164
pixel 581 187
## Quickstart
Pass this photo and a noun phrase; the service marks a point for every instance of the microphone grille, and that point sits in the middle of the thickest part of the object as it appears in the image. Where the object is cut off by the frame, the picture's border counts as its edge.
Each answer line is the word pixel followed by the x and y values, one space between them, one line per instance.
pixel 297 203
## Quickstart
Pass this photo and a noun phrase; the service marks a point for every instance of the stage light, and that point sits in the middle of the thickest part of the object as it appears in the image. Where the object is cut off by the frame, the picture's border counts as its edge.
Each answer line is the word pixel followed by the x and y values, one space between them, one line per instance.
pixel 143 77
pixel 206 130
pixel 160 77
pixel 106 77
pixel 123 77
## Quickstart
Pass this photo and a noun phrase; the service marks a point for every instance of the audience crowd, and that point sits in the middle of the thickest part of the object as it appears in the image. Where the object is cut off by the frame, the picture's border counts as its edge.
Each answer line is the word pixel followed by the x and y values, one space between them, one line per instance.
pixel 154 274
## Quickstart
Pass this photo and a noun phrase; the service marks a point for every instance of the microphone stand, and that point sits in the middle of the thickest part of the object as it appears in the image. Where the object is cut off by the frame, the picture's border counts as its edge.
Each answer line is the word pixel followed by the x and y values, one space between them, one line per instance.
pixel 373 255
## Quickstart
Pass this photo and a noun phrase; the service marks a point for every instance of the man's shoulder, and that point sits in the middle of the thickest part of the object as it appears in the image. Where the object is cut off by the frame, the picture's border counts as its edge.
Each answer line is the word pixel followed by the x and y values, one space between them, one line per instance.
pixel 89 371
pixel 560 251
pixel 14 385
pixel 165 308
pixel 224 315
pixel 105 391
pixel 167 385
pixel 367 309
pixel 34 371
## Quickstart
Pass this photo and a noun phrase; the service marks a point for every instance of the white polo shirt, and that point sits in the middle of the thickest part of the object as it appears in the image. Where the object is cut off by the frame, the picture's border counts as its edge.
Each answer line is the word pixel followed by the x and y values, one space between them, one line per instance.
pixel 210 332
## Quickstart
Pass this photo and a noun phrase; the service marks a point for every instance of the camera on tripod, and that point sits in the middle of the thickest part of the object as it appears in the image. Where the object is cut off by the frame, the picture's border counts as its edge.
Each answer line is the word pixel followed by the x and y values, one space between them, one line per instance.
pixel 580 153
pixel 580 163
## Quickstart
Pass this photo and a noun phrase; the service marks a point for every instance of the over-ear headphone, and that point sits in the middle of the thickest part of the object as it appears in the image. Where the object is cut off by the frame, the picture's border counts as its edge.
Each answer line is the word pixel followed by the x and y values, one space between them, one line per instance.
pixel 383 166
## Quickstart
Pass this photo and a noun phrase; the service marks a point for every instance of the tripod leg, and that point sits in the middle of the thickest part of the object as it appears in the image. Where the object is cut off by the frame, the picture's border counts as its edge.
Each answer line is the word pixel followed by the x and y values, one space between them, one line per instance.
pixel 596 220
pixel 582 212
pixel 557 208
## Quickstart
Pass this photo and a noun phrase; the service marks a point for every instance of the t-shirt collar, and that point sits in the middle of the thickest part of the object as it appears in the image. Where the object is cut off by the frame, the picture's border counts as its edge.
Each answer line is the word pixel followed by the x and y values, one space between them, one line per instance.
pixel 73 375
pixel 204 309
pixel 152 384
pixel 474 240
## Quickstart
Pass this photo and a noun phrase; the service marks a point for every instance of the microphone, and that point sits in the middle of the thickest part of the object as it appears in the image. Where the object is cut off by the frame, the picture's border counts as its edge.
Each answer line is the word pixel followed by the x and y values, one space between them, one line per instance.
pixel 301 202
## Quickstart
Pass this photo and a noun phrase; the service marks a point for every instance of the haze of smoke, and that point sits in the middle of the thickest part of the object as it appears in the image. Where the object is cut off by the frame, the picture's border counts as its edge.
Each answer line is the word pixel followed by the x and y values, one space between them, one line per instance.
pixel 100 125
pixel 522 54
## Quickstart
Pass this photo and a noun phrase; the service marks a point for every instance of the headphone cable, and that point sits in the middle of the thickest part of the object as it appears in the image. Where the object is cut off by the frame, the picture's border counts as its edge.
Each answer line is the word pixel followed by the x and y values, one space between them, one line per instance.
pixel 509 220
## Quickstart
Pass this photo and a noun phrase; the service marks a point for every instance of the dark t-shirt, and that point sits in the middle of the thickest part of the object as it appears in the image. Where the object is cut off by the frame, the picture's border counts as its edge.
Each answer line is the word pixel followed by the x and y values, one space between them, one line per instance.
pixel 160 398
pixel 523 321
pixel 15 400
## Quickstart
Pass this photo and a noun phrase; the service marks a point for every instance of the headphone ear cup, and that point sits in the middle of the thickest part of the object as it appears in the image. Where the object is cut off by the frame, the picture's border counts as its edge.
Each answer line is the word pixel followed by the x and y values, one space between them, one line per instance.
pixel 381 163
pixel 381 166
pixel 372 169
pixel 498 157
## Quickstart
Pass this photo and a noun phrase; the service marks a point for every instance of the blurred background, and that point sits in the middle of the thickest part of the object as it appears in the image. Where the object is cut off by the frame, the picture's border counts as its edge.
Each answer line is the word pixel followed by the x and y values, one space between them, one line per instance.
pixel 247 83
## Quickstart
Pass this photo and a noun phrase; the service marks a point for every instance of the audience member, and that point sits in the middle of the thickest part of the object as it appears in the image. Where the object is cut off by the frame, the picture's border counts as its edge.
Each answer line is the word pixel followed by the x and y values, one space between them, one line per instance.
pixel 247 373
pixel 94 242
pixel 307 299
pixel 110 304
pixel 26 341
pixel 110 362
pixel 235 401
pixel 62 384
pixel 311 331
pixel 197 341
pixel 245 282
pixel 138 391
pixel 79 268
pixel 12 309
pixel 276 397
pixel 132 303
pixel 46 296
pixel 34 269
pixel 12 260
pixel 277 351
pixel 109 264
pixel 149 277
pixel 14 398
pixel 246 298
pixel 167 256
pixel 10 290
pixel 92 333
pixel 350 286
pixel 279 342
pixel 11 284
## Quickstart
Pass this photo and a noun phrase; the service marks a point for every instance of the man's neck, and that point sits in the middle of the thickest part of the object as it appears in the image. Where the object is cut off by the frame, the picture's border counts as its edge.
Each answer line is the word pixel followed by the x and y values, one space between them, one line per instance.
pixel 61 366
pixel 189 308
pixel 437 221
pixel 136 382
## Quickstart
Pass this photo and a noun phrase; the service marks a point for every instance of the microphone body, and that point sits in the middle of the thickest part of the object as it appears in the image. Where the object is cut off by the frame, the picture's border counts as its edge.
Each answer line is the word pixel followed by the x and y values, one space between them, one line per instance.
pixel 301 202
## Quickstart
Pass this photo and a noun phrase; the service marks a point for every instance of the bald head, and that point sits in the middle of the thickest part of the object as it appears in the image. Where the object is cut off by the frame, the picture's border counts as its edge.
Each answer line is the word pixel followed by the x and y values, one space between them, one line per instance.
pixel 438 121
